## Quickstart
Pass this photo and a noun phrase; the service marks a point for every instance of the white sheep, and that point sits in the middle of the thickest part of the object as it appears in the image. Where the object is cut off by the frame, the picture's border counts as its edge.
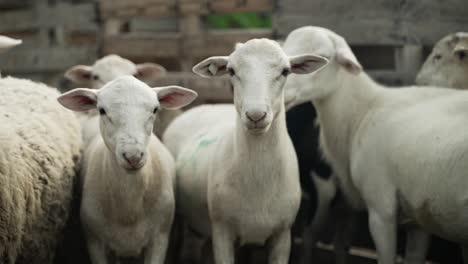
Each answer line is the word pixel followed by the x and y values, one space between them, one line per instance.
pixel 39 153
pixel 128 201
pixel 447 65
pixel 400 153
pixel 112 66
pixel 237 172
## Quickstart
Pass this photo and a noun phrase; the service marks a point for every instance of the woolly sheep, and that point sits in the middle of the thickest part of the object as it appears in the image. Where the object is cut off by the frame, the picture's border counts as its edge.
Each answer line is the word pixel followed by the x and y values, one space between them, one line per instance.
pixel 389 155
pixel 447 65
pixel 237 171
pixel 40 151
pixel 112 66
pixel 128 201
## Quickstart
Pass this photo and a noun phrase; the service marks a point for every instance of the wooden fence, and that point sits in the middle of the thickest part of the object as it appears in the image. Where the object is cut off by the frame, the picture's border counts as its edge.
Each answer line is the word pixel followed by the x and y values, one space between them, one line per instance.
pixel 55 36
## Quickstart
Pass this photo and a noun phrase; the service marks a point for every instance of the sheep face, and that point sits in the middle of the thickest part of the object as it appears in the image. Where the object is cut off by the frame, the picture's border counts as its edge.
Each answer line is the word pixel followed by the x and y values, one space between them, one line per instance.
pixel 109 68
pixel 321 41
pixel 127 110
pixel 258 70
pixel 447 65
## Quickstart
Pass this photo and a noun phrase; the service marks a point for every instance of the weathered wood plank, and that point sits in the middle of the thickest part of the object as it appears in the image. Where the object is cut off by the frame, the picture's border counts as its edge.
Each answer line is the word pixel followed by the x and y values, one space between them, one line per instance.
pixel 230 6
pixel 376 22
pixel 215 42
pixel 44 59
pixel 143 45
pixel 8 4
pixel 209 90
pixel 79 16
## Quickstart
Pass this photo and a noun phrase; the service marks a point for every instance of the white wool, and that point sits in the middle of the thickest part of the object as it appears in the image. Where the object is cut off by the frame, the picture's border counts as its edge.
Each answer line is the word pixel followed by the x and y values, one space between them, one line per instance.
pixel 39 153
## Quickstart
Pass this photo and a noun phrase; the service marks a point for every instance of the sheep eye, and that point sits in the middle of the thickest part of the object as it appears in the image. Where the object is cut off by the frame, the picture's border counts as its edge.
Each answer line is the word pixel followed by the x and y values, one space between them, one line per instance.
pixel 102 111
pixel 95 77
pixel 155 110
pixel 231 71
pixel 437 57
pixel 461 55
pixel 285 72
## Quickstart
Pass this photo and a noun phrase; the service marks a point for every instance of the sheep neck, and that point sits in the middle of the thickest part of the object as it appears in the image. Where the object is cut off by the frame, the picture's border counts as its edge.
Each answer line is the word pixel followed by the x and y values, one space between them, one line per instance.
pixel 340 115
pixel 254 152
pixel 125 191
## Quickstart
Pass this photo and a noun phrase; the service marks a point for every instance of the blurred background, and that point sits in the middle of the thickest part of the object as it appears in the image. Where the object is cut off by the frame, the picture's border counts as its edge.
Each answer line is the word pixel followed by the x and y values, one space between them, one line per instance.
pixel 391 38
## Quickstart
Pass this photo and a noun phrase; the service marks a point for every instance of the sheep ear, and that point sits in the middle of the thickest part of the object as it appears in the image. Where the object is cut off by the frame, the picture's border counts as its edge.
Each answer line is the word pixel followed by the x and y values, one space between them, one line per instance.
pixel 213 66
pixel 345 56
pixel 173 97
pixel 80 99
pixel 79 74
pixel 461 50
pixel 304 64
pixel 149 71
pixel 6 43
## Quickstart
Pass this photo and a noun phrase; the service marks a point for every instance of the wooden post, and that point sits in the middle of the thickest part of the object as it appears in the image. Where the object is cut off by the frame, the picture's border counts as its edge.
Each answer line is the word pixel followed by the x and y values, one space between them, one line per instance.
pixel 408 60
pixel 191 31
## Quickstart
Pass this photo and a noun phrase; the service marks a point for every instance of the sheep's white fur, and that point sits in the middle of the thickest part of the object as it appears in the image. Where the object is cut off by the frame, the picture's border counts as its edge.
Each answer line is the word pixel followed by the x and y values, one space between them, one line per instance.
pixel 128 201
pixel 238 179
pixel 109 68
pixel 7 43
pixel 447 65
pixel 396 152
pixel 39 153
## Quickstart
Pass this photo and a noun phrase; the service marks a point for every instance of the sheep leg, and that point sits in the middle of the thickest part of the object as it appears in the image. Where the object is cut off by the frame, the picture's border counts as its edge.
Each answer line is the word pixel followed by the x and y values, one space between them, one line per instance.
pixel 280 246
pixel 383 228
pixel 156 252
pixel 97 251
pixel 223 244
pixel 417 244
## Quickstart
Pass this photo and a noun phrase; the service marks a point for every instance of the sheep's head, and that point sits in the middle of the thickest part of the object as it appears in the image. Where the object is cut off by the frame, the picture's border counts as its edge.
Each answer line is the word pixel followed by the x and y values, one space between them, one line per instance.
pixel 7 43
pixel 326 43
pixel 258 70
pixel 127 110
pixel 109 68
pixel 447 65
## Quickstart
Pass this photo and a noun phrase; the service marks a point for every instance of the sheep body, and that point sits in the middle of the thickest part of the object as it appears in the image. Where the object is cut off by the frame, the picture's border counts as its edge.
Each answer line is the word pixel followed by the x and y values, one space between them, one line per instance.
pixel 38 158
pixel 237 172
pixel 128 201
pixel 383 144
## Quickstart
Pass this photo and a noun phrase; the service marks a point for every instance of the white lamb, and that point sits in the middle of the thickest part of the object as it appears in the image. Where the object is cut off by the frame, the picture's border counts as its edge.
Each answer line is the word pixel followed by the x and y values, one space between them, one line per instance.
pixel 128 201
pixel 112 66
pixel 39 153
pixel 447 65
pixel 237 172
pixel 400 153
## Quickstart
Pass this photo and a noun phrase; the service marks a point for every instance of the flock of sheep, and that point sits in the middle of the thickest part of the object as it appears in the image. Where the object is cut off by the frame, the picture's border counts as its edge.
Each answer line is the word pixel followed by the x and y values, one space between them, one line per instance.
pixel 227 175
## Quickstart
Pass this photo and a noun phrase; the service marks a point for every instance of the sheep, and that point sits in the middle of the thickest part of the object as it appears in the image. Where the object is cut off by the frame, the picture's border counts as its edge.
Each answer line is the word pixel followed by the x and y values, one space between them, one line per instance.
pixel 447 65
pixel 39 155
pixel 389 159
pixel 128 202
pixel 237 172
pixel 112 66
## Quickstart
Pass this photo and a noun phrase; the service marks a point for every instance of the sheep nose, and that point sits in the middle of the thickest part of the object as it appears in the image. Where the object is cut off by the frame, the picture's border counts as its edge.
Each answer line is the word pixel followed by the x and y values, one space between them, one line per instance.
pixel 133 159
pixel 255 116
